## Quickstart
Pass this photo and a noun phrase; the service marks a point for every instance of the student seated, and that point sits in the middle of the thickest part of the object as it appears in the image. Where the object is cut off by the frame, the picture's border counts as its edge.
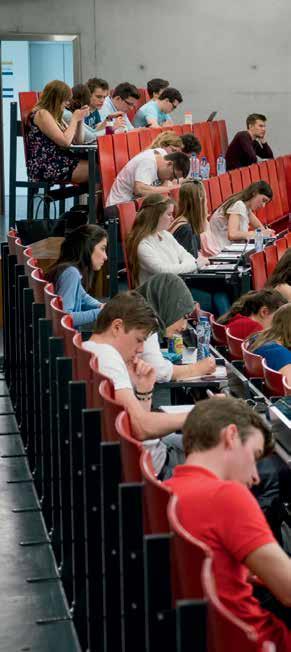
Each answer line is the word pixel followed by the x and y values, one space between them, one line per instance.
pixel 168 142
pixel 280 278
pixel 156 113
pixel 151 249
pixel 274 343
pixel 99 89
pixel 249 146
pixel 124 98
pixel 252 312
pixel 223 440
pixel 80 99
pixel 230 222
pixel 122 327
pixel 146 170
pixel 172 301
pixel 156 86
pixel 83 253
pixel 49 138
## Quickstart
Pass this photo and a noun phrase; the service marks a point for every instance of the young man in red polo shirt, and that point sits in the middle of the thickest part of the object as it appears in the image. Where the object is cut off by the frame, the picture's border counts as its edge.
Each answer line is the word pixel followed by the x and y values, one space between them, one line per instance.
pixel 223 439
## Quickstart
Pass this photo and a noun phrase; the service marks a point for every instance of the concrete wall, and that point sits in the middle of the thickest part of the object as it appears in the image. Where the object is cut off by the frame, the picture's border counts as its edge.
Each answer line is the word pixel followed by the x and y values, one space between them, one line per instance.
pixel 230 56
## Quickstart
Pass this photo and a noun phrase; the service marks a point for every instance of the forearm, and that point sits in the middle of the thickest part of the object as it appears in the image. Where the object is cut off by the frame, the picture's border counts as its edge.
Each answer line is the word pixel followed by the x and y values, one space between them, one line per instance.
pixel 142 189
pixel 82 317
pixel 70 132
pixel 154 424
pixel 79 137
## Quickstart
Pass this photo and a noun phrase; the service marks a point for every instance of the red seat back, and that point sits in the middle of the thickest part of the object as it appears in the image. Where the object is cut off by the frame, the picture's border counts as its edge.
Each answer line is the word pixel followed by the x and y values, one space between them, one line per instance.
pixel 259 274
pixel 156 497
pixel 266 214
pixel 107 164
pixel 120 151
pixel 67 332
pixel 236 181
pixel 127 215
pixel 234 345
pixel 133 144
pixel 206 143
pixel 282 184
pixel 111 410
pixel 245 177
pixel 30 264
pixel 11 237
pixel 57 313
pixel 273 380
pixel 27 100
pixel 38 283
pixel 223 136
pixel 143 95
pixel 281 246
pixel 19 249
pixel 271 258
pixel 215 139
pixel 288 239
pixel 225 186
pixel 49 294
pixel 130 449
pixel 252 362
pixel 275 206
pixel 146 136
pixel 215 193
pixel 187 557
pixel 219 333
pixel 223 627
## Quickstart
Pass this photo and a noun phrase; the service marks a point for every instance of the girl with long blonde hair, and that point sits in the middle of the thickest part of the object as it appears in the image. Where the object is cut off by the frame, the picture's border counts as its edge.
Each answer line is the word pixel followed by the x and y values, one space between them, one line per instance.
pixel 48 138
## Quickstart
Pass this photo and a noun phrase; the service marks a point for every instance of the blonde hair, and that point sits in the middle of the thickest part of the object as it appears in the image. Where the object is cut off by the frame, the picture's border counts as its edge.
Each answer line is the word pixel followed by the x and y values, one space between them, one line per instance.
pixel 280 329
pixel 53 95
pixel 167 139
pixel 145 224
pixel 192 205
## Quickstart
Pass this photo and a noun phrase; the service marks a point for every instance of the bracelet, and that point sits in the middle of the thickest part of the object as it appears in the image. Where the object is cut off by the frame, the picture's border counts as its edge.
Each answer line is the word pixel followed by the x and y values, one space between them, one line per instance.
pixel 148 397
pixel 143 393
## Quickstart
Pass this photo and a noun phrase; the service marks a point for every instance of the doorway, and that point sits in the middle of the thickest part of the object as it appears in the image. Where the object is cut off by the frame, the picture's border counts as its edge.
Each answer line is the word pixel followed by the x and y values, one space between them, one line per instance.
pixel 28 62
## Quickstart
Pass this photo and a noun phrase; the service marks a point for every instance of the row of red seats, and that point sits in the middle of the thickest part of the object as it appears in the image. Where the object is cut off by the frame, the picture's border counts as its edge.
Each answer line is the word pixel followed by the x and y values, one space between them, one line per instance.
pixel 116 150
pixel 264 262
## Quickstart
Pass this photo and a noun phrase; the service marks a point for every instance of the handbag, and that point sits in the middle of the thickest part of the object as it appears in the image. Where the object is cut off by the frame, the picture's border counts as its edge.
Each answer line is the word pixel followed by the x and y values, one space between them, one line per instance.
pixel 33 230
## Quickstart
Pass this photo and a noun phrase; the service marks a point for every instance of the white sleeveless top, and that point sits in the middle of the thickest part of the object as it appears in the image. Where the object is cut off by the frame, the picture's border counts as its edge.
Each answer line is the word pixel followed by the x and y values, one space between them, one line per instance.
pixel 219 222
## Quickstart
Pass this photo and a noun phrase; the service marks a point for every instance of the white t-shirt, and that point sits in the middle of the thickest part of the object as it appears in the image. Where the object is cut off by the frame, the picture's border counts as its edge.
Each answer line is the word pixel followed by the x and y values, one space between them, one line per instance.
pixel 142 167
pixel 153 355
pixel 111 364
pixel 161 252
pixel 219 222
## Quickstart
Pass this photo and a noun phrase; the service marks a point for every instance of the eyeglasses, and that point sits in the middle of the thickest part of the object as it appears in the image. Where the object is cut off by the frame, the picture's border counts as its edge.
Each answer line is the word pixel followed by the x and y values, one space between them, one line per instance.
pixel 130 104
pixel 173 105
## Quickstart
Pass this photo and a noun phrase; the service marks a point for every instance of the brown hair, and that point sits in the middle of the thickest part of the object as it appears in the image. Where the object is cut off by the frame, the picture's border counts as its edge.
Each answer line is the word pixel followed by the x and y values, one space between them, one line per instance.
pixel 80 97
pixel 256 188
pixel 167 139
pixel 96 82
pixel 253 117
pixel 192 206
pixel 53 95
pixel 132 309
pixel 204 423
pixel 282 271
pixel 146 222
pixel 251 302
pixel 280 329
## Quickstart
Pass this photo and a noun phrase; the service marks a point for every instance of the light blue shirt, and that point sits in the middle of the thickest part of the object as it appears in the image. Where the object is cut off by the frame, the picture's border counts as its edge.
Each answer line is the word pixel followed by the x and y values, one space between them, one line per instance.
pixel 76 301
pixel 108 108
pixel 150 111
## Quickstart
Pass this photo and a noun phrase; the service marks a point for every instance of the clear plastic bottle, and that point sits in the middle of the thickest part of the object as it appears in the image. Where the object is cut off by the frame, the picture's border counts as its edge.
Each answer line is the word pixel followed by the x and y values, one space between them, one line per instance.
pixel 195 167
pixel 220 165
pixel 259 240
pixel 203 332
pixel 204 168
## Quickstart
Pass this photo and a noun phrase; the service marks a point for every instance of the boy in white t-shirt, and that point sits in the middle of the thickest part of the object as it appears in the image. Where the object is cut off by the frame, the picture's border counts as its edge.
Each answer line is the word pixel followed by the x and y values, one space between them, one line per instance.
pixel 121 330
pixel 145 170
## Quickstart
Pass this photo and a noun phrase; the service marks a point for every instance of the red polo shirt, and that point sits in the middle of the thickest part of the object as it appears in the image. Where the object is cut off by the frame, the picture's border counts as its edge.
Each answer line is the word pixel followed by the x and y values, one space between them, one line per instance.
pixel 226 516
pixel 241 326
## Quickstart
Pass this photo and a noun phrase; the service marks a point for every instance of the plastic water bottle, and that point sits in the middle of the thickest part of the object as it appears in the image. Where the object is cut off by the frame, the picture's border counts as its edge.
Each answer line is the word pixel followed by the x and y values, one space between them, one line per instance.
pixel 195 167
pixel 203 332
pixel 259 240
pixel 220 165
pixel 204 168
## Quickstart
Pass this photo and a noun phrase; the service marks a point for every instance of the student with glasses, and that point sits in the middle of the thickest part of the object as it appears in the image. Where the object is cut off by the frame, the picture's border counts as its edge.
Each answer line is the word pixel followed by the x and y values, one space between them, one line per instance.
pixel 156 112
pixel 123 100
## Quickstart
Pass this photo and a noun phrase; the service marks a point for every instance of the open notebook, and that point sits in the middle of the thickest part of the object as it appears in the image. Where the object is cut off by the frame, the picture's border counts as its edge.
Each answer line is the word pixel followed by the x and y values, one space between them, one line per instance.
pixel 220 373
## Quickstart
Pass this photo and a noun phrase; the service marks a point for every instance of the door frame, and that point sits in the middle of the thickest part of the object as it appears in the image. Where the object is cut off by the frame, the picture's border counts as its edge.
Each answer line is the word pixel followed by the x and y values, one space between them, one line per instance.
pixel 29 36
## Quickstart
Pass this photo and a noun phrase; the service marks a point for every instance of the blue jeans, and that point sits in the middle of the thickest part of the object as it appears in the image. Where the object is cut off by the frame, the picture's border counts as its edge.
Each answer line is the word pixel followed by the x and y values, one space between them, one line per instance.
pixel 217 302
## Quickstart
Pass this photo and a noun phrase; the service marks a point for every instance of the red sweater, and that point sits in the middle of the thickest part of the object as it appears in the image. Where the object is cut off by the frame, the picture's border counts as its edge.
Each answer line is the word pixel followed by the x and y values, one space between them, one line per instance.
pixel 243 150
pixel 241 326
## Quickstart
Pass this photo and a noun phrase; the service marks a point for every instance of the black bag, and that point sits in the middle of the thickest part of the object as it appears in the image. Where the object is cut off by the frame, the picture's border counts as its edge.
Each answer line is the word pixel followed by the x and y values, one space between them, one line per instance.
pixel 33 230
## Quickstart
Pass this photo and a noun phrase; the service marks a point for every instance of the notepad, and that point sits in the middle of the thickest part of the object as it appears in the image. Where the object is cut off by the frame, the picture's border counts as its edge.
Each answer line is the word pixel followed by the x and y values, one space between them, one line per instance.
pixel 220 373
pixel 239 247
pixel 176 409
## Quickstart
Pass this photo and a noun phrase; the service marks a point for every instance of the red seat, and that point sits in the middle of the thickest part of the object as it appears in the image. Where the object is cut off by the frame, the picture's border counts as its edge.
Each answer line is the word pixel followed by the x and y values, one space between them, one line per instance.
pixel 58 313
pixel 282 184
pixel 281 246
pixel 215 193
pixel 286 387
pixel 107 164
pixel 254 172
pixel 27 100
pixel 127 215
pixel 225 631
pixel 207 147
pixel 218 333
pixel 288 239
pixel 252 362
pixel 49 294
pixel 245 177
pixel 273 380
pixel 215 139
pixel 271 258
pixel 275 206
pixel 146 137
pixel 225 186
pixel 38 283
pixel 236 181
pixel 156 497
pixel 111 410
pixel 223 136
pixel 259 274
pixel 187 557
pixel 68 331
pixel 120 151
pixel 130 449
pixel 19 249
pixel 234 345
pixel 133 144
pixel 267 211
pixel 11 237
pixel 143 98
